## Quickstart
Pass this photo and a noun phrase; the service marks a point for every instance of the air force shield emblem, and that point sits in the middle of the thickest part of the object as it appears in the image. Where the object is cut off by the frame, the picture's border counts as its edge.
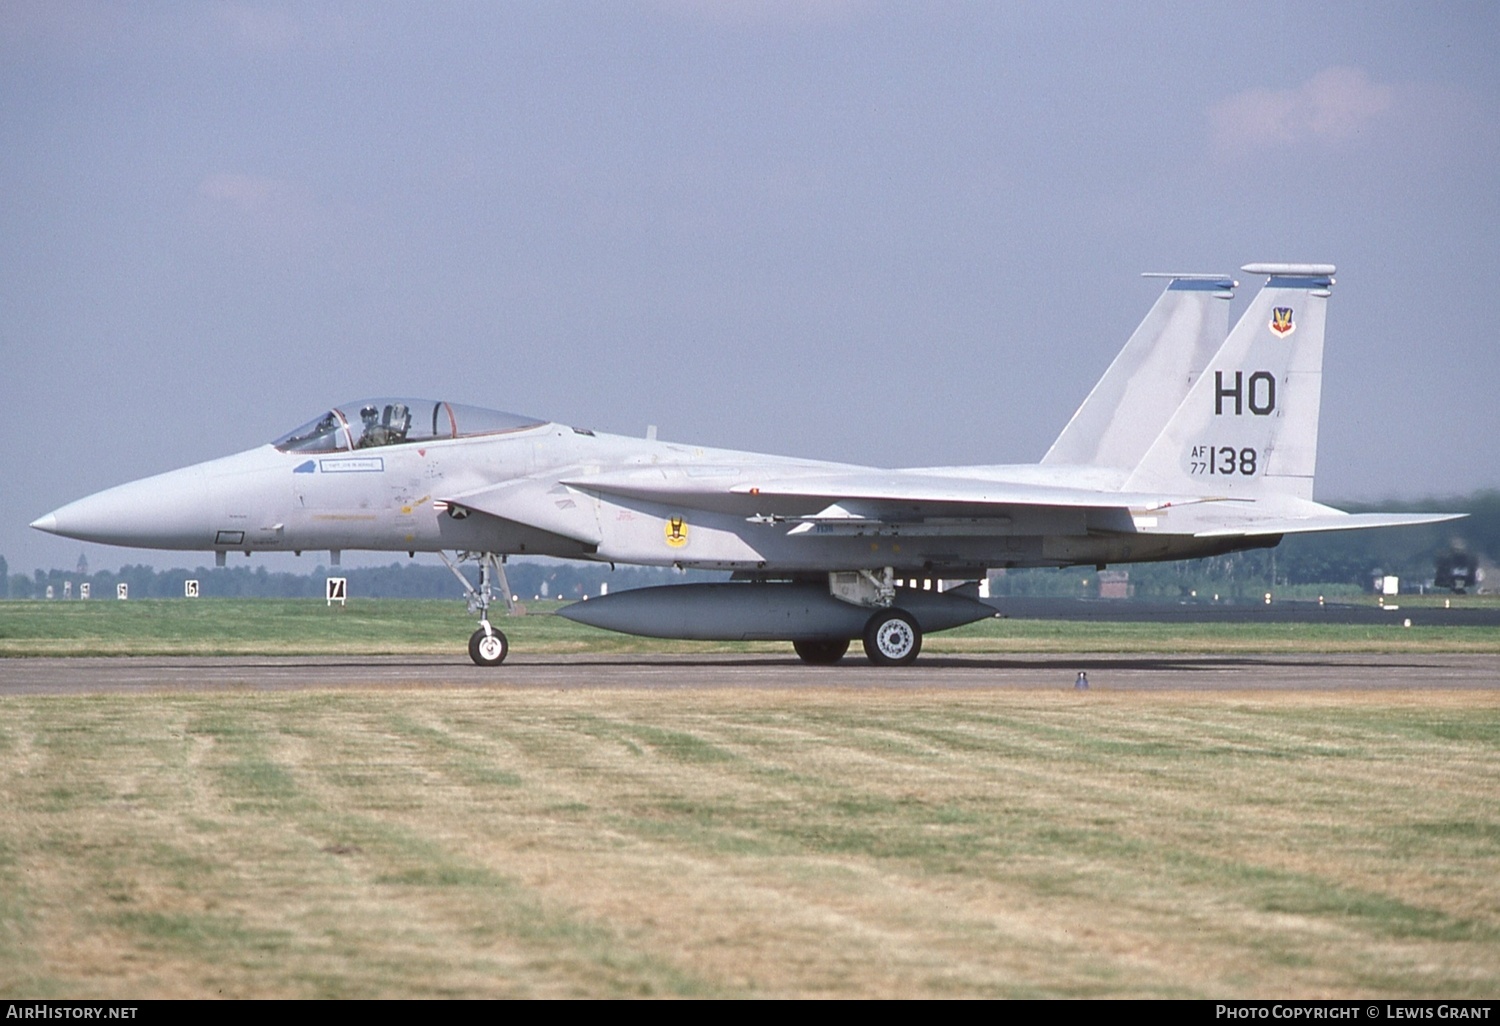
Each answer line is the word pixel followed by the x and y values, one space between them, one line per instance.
pixel 1281 321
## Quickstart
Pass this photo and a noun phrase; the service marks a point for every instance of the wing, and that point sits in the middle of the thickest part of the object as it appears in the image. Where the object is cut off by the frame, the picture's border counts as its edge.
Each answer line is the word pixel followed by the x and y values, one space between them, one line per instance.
pixel 859 501
pixel 746 489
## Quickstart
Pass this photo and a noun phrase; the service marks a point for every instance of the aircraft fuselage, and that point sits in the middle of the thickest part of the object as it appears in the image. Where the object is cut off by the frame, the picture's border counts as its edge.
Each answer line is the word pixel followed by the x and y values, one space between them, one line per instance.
pixel 390 499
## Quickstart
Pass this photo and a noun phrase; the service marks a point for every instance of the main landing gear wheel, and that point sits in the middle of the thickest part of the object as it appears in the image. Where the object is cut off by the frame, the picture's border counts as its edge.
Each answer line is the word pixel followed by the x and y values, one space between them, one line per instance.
pixel 892 638
pixel 823 652
pixel 488 648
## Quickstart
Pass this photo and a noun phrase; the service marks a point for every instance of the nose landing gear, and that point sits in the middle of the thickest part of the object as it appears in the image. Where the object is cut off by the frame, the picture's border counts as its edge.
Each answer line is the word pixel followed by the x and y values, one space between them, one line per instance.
pixel 487 646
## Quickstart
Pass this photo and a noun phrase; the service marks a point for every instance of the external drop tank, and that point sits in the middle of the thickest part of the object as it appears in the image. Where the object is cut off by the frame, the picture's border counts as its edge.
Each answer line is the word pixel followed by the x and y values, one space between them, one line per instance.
pixel 794 611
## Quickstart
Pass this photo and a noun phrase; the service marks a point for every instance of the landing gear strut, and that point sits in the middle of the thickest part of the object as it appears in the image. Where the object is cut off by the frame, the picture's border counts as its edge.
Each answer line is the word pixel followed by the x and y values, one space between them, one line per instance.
pixel 892 636
pixel 487 646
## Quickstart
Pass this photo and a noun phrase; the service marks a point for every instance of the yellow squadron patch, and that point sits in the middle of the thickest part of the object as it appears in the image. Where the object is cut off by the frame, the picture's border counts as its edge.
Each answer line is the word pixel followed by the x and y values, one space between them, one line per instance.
pixel 677 532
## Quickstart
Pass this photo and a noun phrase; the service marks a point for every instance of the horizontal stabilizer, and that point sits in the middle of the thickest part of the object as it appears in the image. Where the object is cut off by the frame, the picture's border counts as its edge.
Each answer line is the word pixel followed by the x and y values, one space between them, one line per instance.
pixel 1329 522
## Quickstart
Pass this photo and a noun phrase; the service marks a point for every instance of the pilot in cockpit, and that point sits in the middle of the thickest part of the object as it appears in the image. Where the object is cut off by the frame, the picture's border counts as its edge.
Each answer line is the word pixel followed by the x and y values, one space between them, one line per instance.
pixel 372 434
pixel 388 430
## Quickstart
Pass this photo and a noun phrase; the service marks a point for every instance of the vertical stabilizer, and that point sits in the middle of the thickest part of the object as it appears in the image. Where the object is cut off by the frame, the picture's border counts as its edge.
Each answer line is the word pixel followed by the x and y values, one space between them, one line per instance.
pixel 1249 426
pixel 1150 377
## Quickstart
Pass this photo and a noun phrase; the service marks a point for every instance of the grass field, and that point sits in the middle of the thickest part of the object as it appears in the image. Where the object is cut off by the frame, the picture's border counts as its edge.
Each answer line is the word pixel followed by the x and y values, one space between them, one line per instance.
pixel 736 843
pixel 401 627
pixel 717 841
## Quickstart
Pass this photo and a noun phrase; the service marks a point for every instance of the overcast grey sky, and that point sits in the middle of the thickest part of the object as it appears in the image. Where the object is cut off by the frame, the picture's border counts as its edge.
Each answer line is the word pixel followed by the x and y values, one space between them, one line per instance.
pixel 889 233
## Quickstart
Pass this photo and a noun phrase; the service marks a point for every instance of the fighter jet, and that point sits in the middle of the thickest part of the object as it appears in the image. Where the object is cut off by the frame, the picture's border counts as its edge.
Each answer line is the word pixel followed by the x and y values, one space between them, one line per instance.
pixel 1197 441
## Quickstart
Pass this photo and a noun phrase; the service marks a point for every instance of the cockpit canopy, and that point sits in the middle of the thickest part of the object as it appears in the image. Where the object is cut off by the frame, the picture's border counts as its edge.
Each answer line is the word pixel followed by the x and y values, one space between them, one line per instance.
pixel 369 423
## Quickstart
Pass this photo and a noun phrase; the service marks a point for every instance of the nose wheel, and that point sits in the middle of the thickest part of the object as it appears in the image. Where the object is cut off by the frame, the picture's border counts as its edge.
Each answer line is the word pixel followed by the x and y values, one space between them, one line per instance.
pixel 488 647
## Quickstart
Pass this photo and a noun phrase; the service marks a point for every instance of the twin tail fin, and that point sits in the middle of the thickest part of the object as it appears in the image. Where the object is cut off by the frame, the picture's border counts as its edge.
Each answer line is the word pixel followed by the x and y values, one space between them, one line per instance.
pixel 1248 427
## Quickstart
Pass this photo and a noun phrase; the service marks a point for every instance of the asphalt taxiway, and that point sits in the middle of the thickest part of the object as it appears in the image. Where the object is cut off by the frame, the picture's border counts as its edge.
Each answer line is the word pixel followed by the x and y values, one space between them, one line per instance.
pixel 1295 611
pixel 934 671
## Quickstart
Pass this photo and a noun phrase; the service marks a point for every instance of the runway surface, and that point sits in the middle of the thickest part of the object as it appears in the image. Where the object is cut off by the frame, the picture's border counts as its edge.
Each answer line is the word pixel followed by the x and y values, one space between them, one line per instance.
pixel 1146 611
pixel 665 672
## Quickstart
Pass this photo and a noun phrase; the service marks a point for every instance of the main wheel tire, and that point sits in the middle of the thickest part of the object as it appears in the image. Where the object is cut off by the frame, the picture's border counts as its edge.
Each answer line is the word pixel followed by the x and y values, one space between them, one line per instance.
pixel 488 649
pixel 822 652
pixel 892 638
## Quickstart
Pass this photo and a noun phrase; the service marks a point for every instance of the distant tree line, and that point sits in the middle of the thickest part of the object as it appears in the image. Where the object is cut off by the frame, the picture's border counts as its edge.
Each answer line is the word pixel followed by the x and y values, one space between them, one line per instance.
pixel 1333 563
pixel 397 580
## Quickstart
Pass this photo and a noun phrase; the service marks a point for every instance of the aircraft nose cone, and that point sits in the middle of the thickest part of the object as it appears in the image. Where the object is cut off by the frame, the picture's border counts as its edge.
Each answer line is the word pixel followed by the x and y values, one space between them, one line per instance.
pixel 181 509
pixel 166 511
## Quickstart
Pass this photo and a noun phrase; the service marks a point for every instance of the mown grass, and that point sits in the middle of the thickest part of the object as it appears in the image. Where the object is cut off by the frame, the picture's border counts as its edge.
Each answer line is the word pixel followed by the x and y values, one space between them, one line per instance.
pixel 401 627
pixel 726 842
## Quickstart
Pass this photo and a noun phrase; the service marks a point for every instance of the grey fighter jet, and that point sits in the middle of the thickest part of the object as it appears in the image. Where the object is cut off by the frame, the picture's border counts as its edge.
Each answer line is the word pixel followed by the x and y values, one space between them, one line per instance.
pixel 1197 441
